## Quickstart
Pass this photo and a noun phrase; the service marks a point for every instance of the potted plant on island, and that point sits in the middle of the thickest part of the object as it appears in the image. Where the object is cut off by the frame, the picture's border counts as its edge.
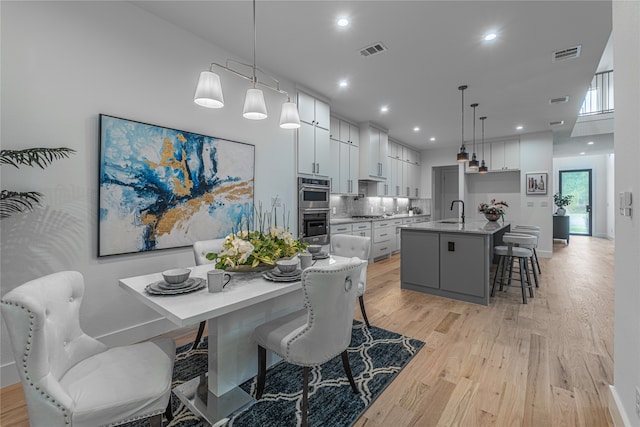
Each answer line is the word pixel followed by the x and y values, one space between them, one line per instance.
pixel 493 210
pixel 561 201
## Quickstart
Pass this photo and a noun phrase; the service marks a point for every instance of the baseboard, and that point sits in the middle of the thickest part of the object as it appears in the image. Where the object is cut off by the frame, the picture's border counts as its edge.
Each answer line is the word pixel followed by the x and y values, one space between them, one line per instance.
pixel 544 254
pixel 618 415
pixel 137 333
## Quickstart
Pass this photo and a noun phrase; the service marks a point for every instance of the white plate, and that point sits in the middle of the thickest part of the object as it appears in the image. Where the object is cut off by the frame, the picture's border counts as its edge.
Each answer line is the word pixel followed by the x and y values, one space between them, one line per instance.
pixel 170 286
pixel 321 255
pixel 155 289
pixel 276 272
pixel 273 278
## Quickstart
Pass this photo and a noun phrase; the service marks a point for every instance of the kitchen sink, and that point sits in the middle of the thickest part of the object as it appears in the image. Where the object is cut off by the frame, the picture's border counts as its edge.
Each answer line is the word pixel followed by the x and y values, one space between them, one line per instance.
pixel 450 221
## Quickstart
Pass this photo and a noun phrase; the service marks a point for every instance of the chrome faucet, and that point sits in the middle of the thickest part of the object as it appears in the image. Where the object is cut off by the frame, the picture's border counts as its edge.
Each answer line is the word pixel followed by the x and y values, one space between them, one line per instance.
pixel 462 202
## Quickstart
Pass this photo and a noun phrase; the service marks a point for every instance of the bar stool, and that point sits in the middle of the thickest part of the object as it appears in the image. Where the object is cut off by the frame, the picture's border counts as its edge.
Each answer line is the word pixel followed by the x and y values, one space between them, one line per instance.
pixel 536 234
pixel 506 254
pixel 521 228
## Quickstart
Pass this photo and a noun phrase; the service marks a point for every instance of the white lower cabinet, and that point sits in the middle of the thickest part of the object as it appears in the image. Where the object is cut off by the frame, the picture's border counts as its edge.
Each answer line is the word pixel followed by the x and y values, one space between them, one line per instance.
pixel 384 239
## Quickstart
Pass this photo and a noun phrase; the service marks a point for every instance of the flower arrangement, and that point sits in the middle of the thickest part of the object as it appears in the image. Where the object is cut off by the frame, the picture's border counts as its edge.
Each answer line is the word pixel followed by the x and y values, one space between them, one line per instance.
pixel 561 201
pixel 494 207
pixel 264 244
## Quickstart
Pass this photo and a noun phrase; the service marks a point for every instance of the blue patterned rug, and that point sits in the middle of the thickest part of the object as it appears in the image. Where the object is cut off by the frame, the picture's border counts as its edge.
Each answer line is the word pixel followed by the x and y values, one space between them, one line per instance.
pixel 376 357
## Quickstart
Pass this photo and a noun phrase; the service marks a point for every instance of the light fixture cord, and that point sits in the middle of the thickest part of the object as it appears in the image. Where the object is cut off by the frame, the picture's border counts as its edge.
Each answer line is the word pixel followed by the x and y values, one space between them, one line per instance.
pixel 255 80
pixel 462 117
pixel 474 128
pixel 483 119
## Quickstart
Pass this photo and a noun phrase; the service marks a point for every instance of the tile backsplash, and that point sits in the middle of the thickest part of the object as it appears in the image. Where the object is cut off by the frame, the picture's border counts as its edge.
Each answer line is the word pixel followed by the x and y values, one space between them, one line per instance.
pixel 347 206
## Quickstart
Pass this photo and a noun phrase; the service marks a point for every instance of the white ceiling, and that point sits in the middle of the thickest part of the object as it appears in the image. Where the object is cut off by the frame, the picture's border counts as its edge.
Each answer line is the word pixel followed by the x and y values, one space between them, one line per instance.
pixel 433 47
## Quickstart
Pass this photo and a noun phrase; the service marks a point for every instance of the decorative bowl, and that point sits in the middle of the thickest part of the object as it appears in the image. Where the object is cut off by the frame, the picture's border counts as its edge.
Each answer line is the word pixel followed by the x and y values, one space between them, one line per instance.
pixel 176 276
pixel 491 217
pixel 314 249
pixel 287 265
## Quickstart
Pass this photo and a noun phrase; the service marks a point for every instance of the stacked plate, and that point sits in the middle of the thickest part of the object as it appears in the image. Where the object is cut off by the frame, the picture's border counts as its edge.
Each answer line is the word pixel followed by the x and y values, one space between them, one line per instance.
pixel 320 255
pixel 161 287
pixel 276 275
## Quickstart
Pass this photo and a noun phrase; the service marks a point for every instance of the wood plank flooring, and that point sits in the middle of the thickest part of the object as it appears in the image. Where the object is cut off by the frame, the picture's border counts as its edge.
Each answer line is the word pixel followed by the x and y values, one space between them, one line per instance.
pixel 547 363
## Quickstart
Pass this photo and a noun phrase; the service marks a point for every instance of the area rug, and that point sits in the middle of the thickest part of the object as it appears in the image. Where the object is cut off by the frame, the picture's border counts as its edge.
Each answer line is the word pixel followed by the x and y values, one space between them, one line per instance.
pixel 376 356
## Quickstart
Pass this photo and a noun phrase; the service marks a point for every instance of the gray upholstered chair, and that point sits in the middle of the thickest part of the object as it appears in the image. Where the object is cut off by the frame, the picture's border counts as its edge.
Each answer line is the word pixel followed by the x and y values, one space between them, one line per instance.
pixel 317 333
pixel 200 250
pixel 68 377
pixel 349 246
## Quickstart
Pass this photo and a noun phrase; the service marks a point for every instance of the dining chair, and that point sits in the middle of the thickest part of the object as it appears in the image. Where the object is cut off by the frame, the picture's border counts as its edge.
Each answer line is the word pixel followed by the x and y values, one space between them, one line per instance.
pixel 72 379
pixel 317 333
pixel 514 248
pixel 200 250
pixel 349 246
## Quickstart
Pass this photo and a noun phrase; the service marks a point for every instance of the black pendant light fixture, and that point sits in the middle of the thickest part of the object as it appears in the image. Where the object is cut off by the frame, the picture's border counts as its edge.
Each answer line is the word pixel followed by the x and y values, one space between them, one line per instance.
pixel 463 156
pixel 474 163
pixel 483 167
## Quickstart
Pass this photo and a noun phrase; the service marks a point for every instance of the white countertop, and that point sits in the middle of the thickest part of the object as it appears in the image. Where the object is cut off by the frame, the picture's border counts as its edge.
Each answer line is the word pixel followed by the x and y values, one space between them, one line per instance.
pixel 351 220
pixel 470 227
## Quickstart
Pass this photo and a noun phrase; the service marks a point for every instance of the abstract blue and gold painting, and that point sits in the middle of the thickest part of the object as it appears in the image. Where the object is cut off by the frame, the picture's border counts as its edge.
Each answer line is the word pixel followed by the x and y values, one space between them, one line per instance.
pixel 165 188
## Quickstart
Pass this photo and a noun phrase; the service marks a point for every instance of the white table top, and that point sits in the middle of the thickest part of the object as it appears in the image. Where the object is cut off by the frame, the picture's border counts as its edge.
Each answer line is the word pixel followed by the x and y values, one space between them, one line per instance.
pixel 244 290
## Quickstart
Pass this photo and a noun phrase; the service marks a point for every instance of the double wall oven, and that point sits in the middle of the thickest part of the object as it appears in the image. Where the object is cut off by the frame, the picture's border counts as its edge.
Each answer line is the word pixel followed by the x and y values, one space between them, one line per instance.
pixel 313 210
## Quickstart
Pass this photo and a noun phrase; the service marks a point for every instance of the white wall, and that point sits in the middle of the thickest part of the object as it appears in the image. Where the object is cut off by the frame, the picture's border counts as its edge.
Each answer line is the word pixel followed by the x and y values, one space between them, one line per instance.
pixel 611 197
pixel 626 376
pixel 599 183
pixel 63 64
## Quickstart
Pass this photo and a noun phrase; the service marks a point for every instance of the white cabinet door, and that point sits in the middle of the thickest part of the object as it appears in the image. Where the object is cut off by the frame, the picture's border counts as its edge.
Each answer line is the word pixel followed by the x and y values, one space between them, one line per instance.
pixel 306 108
pixel 383 154
pixel 354 135
pixel 374 149
pixel 323 151
pixel 406 186
pixel 334 170
pixel 354 166
pixel 497 156
pixel 306 148
pixel 344 131
pixel 344 168
pixel 322 114
pixel 334 129
pixel 512 155
pixel 414 180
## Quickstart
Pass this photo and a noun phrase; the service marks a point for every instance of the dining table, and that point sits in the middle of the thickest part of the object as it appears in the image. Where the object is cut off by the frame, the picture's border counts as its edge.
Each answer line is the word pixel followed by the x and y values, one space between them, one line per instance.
pixel 247 301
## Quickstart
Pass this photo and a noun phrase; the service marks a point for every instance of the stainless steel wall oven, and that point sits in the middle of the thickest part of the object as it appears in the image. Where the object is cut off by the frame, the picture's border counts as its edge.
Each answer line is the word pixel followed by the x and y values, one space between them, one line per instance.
pixel 313 210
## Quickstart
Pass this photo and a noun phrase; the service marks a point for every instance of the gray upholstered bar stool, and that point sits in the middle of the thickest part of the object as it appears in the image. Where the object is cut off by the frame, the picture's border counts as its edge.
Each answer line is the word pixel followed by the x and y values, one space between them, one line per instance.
pixel 506 255
pixel 536 234
pixel 531 228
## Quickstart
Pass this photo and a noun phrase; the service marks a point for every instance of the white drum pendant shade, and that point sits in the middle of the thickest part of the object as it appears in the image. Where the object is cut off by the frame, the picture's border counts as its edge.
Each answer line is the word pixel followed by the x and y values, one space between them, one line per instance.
pixel 254 106
pixel 209 91
pixel 289 117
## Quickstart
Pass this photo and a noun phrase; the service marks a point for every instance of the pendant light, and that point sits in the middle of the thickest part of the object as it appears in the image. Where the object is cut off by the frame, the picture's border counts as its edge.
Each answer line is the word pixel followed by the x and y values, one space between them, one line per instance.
pixel 463 156
pixel 474 164
pixel 483 167
pixel 209 90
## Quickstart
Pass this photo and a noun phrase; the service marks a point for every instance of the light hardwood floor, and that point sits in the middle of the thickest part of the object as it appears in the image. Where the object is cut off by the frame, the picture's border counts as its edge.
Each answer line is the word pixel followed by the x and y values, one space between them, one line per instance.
pixel 547 363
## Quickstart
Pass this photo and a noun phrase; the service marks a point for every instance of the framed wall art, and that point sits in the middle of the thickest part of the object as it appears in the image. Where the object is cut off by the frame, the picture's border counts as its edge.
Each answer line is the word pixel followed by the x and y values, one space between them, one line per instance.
pixel 164 188
pixel 537 182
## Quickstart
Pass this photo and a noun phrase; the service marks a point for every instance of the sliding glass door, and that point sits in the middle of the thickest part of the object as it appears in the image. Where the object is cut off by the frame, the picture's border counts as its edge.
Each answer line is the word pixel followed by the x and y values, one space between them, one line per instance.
pixel 578 184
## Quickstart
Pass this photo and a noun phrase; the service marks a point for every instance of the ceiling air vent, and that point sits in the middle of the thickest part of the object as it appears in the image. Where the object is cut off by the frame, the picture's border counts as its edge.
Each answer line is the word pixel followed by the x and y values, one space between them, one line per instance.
pixel 560 100
pixel 373 49
pixel 570 53
pixel 557 123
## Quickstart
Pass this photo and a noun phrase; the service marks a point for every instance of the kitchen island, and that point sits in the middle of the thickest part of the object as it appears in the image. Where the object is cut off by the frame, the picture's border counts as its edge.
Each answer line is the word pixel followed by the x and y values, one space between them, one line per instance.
pixel 450 259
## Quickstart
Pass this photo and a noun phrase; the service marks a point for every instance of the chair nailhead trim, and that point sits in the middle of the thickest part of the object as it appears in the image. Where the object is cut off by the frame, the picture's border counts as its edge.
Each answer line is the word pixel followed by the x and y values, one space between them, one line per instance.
pixel 25 358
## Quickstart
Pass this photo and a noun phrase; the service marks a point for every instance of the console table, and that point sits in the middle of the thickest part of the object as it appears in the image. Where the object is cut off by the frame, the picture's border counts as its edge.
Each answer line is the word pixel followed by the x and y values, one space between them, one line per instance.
pixel 561 227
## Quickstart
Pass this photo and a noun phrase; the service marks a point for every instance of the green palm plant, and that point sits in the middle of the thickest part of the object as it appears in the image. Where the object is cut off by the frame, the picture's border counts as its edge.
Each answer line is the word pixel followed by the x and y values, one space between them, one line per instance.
pixel 12 202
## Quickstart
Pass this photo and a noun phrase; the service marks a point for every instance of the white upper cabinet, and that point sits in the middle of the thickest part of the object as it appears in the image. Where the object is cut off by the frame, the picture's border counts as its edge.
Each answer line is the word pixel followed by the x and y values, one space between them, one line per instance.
pixel 314 152
pixel 504 156
pixel 373 153
pixel 344 157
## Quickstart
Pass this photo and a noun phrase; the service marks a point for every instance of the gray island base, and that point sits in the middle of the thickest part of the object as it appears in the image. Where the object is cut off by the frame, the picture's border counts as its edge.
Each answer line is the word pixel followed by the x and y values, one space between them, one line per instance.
pixel 450 259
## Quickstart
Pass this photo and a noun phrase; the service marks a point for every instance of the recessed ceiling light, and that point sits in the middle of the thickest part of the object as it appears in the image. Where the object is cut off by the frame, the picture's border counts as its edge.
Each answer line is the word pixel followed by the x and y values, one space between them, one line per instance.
pixel 590 143
pixel 490 36
pixel 384 109
pixel 519 127
pixel 342 22
pixel 582 153
pixel 343 83
pixel 416 129
pixel 433 138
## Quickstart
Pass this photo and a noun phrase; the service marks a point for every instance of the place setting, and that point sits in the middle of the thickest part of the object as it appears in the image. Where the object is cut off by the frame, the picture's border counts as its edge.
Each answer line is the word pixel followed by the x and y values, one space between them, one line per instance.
pixel 317 253
pixel 286 270
pixel 176 281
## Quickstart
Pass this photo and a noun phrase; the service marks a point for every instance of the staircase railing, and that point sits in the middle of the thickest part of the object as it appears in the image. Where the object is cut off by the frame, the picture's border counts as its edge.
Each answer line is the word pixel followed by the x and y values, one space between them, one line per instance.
pixel 599 97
